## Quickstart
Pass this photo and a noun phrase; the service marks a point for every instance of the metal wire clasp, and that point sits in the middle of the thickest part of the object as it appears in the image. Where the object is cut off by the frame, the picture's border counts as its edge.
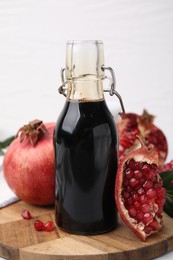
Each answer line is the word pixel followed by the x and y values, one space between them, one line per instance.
pixel 62 89
pixel 112 90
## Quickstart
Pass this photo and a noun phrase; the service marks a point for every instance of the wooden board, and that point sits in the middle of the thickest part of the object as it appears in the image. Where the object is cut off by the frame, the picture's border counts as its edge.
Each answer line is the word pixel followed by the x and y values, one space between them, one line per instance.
pixel 20 241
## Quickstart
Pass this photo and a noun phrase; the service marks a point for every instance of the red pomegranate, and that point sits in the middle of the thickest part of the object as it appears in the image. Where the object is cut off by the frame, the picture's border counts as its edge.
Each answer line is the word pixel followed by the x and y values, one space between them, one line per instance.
pixel 167 167
pixel 29 165
pixel 132 124
pixel 139 193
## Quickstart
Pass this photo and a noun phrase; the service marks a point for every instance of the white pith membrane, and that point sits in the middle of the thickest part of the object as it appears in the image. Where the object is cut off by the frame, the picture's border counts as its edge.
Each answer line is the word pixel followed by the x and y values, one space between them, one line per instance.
pixel 153 207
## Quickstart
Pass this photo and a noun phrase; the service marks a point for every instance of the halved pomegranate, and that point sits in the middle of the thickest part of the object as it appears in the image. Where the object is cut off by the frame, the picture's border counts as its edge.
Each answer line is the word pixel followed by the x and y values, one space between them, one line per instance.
pixel 139 194
pixel 132 124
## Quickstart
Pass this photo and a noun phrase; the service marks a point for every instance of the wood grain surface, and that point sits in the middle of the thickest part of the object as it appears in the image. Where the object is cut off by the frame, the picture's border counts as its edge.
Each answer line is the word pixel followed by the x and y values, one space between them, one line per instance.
pixel 20 241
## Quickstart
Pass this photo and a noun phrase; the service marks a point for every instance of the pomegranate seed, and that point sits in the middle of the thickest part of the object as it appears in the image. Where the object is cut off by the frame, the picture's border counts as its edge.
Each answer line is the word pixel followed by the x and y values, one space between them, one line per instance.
pixel 135 197
pixel 132 212
pixel 129 201
pixel 147 218
pixel 153 166
pixel 154 224
pixel 136 205
pixel 128 189
pixel 147 185
pixel 125 183
pixel 145 169
pixel 158 184
pixel 133 182
pixel 145 208
pixel 126 195
pixel 141 191
pixel 131 163
pixel 139 215
pixel 138 166
pixel 151 193
pixel 151 176
pixel 39 225
pixel 137 187
pixel 144 199
pixel 142 180
pixel 128 173
pixel 161 192
pixel 160 202
pixel 26 214
pixel 138 174
pixel 159 211
pixel 148 229
pixel 48 226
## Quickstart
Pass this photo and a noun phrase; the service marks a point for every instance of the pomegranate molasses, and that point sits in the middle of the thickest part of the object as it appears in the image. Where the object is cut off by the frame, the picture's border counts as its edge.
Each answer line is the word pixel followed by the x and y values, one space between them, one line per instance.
pixel 86 167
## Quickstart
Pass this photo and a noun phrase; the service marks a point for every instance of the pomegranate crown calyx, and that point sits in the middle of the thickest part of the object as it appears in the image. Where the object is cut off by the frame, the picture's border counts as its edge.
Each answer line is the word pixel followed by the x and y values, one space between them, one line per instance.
pixel 146 119
pixel 33 131
pixel 149 149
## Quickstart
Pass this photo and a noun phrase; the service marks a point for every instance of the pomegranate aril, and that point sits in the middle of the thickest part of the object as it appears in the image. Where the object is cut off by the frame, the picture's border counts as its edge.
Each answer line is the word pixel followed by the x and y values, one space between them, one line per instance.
pixel 136 205
pixel 151 193
pixel 48 226
pixel 26 214
pixel 147 185
pixel 151 176
pixel 141 191
pixel 138 166
pixel 154 166
pixel 132 212
pixel 145 169
pixel 158 184
pixel 148 229
pixel 147 218
pixel 139 216
pixel 160 201
pixel 144 199
pixel 129 189
pixel 154 224
pixel 131 163
pixel 145 208
pixel 126 195
pixel 137 174
pixel 133 182
pixel 39 225
pixel 135 197
pixel 125 183
pixel 128 173
pixel 161 192
pixel 142 180
pixel 159 211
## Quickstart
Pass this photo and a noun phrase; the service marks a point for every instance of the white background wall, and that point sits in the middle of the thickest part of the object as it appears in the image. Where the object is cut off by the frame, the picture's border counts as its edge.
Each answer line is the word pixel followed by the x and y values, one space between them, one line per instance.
pixel 138 42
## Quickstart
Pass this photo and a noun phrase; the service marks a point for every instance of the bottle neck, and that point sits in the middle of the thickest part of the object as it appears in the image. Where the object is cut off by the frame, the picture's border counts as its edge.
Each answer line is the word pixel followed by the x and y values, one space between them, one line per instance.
pixel 85 90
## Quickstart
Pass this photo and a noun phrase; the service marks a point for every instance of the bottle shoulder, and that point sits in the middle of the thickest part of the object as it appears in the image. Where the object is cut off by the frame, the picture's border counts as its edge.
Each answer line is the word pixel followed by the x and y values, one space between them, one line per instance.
pixel 85 115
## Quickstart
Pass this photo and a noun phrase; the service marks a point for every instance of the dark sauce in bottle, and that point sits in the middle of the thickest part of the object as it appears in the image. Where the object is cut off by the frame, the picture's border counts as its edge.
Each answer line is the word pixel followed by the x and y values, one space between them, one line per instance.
pixel 85 140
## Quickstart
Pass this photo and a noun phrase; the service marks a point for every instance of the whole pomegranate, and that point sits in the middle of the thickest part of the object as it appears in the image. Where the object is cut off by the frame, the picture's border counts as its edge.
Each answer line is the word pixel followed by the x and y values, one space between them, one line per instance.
pixel 167 167
pixel 28 164
pixel 139 193
pixel 132 124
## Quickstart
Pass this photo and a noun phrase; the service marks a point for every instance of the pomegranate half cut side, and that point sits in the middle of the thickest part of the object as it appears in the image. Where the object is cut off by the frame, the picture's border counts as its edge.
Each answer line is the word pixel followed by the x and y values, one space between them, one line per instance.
pixel 139 194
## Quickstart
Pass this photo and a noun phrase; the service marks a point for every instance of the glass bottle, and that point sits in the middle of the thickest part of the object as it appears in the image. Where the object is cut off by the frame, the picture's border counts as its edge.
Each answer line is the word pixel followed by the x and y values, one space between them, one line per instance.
pixel 85 142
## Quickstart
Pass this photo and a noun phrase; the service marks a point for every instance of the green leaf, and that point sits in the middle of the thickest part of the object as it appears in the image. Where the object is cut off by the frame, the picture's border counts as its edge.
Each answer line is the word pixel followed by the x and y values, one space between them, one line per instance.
pixel 6 142
pixel 168 206
pixel 167 178
pixel 1 152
